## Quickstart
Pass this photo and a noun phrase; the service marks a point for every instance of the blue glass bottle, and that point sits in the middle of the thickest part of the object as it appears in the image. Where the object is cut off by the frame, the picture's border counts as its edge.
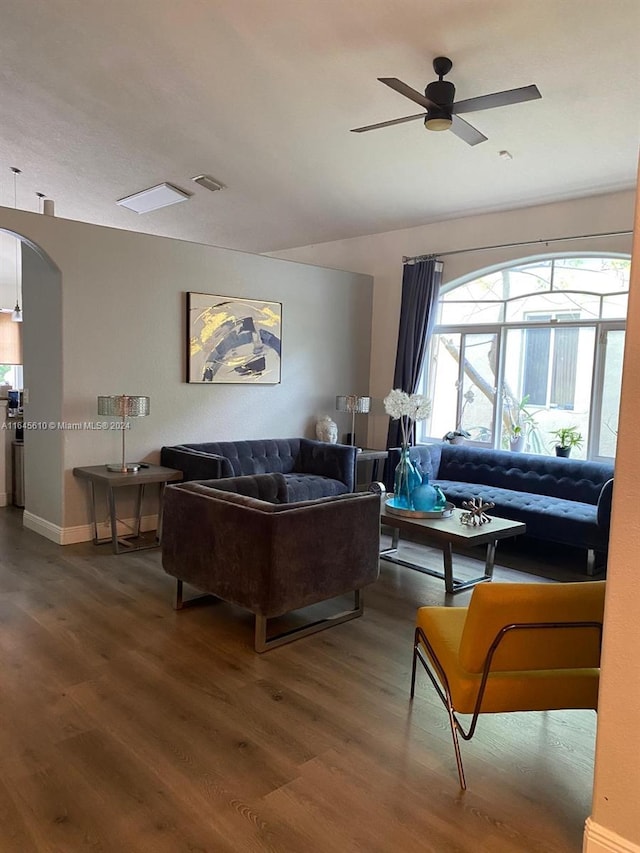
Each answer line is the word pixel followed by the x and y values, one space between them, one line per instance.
pixel 424 497
pixel 407 478
pixel 428 498
pixel 441 501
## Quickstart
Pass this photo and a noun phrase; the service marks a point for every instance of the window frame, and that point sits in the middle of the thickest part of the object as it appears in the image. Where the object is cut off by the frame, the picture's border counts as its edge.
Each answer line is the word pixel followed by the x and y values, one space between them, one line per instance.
pixel 595 419
pixel 601 325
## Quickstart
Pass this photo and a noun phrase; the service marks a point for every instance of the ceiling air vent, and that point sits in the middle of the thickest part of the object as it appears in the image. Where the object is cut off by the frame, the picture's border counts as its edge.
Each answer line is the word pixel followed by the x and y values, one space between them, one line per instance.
pixel 208 183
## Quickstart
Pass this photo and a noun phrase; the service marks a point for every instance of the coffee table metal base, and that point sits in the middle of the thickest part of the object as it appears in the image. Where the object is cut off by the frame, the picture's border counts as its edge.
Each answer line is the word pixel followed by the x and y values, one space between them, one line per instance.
pixel 447 533
pixel 452 584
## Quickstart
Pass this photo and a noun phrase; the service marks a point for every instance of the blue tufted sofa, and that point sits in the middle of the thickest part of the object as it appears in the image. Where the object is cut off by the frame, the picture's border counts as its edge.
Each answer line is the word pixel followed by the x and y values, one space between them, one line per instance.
pixel 560 500
pixel 311 469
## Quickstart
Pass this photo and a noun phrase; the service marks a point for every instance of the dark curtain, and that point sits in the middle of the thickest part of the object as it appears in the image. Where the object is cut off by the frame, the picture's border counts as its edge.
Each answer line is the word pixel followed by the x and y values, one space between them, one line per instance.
pixel 420 287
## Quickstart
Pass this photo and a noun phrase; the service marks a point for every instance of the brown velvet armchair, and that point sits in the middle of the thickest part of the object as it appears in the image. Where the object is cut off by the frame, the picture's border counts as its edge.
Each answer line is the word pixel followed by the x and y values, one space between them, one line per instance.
pixel 239 540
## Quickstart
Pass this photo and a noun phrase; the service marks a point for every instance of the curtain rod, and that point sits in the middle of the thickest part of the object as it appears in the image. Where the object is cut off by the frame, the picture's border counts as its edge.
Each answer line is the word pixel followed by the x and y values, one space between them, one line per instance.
pixel 410 260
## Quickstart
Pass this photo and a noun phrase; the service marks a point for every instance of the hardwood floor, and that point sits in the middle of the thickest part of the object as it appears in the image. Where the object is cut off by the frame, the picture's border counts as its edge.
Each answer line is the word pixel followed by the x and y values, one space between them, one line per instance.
pixel 126 727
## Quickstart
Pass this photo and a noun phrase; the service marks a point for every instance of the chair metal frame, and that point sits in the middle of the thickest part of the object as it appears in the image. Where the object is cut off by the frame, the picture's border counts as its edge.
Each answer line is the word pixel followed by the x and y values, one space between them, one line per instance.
pixel 262 641
pixel 444 691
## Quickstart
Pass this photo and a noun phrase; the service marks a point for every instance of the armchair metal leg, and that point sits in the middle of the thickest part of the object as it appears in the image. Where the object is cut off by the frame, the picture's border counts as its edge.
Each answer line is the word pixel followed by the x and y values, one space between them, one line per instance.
pixel 445 696
pixel 177 598
pixel 456 746
pixel 179 602
pixel 413 669
pixel 263 644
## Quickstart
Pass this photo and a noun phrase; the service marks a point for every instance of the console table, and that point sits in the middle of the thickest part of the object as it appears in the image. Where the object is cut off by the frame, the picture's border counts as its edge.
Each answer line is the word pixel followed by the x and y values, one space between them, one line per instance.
pixel 98 475
pixel 376 458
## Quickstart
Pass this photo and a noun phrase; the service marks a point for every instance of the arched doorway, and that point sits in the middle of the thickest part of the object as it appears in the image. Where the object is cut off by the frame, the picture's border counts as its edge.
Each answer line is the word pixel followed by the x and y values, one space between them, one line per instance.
pixel 41 292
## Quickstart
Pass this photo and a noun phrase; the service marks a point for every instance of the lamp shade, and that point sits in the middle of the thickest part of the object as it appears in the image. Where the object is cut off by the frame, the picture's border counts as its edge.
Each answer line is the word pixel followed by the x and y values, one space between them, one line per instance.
pixel 356 406
pixel 10 340
pixel 123 406
pixel 353 403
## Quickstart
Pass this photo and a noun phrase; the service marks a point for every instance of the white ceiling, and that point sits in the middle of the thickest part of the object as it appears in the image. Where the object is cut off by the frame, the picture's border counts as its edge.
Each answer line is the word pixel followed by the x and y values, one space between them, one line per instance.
pixel 103 99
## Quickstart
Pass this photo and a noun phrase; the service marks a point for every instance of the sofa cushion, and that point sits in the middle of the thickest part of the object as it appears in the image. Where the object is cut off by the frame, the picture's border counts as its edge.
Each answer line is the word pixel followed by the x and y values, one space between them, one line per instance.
pixel 306 487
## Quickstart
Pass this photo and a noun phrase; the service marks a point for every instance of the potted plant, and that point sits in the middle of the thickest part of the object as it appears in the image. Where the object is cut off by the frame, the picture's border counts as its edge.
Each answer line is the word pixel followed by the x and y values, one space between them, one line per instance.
pixel 456 436
pixel 566 438
pixel 519 421
pixel 517 438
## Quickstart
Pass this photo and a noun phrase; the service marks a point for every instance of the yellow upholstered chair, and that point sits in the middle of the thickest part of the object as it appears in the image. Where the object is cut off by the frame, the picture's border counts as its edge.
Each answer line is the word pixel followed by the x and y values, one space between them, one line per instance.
pixel 516 647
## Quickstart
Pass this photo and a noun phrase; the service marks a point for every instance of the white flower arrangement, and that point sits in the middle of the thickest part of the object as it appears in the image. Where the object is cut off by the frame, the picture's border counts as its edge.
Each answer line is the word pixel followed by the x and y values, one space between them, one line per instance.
pixel 407 408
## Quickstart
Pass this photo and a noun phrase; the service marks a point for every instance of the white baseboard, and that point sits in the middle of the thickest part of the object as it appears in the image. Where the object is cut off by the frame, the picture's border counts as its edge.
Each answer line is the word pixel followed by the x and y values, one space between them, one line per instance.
pixel 599 839
pixel 42 526
pixel 82 532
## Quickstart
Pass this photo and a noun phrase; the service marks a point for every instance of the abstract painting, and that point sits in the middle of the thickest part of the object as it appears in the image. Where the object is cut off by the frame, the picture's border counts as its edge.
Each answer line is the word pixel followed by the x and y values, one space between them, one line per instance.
pixel 233 340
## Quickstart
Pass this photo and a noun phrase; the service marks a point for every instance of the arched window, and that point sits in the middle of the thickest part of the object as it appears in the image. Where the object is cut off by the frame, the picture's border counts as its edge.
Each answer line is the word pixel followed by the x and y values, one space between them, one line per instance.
pixel 523 351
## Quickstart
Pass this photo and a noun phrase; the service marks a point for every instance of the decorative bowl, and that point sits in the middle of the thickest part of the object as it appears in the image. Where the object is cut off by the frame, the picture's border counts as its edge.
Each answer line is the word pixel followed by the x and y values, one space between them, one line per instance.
pixel 415 513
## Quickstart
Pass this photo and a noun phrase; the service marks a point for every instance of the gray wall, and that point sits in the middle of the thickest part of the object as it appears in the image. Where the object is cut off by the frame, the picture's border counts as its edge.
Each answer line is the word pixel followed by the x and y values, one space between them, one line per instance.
pixel 123 331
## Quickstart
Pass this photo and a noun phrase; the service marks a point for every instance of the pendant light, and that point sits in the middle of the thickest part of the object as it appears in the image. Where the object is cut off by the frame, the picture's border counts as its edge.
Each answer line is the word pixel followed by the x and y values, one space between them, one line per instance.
pixel 16 316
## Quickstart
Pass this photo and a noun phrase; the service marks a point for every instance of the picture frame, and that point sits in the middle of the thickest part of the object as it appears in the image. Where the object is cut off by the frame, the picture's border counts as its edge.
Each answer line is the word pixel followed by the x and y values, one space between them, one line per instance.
pixel 233 340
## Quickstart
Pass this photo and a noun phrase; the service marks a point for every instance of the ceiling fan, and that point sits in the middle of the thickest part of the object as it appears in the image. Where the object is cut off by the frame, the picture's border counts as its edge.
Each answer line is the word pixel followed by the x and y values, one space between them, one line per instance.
pixel 443 113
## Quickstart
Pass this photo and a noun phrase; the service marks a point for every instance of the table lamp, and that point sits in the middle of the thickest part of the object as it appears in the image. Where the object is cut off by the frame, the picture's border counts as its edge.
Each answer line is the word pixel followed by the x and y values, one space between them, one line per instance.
pixel 123 406
pixel 356 405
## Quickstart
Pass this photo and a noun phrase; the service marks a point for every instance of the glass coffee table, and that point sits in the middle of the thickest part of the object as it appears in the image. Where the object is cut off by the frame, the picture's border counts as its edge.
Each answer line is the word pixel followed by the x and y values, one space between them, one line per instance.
pixel 444 533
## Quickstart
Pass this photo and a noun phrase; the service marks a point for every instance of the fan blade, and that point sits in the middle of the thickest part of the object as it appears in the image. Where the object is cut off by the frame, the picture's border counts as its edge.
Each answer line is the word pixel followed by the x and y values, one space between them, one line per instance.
pixel 407 91
pixel 386 123
pixel 497 99
pixel 466 131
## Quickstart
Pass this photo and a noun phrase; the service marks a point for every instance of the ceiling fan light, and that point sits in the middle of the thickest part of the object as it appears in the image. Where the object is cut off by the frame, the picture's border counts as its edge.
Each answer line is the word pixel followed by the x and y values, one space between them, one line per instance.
pixel 439 121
